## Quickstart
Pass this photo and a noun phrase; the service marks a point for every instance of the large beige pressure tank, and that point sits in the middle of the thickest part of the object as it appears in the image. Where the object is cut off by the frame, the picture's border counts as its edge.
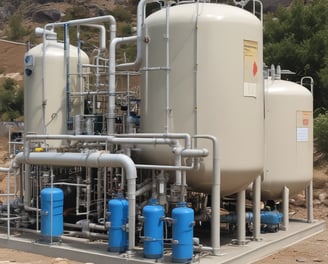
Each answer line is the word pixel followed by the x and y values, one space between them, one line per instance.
pixel 288 139
pixel 215 88
pixel 46 87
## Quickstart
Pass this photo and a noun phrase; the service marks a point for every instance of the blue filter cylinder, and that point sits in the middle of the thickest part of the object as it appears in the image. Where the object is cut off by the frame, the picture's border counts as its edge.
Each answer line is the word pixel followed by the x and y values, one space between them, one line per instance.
pixel 182 233
pixel 118 218
pixel 153 230
pixel 52 203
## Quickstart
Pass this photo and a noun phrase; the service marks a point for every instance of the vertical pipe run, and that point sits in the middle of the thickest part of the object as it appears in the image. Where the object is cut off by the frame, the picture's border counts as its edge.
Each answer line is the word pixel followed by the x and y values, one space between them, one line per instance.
pixel 167 83
pixel 285 204
pixel 216 195
pixel 66 61
pixel 309 202
pixel 257 208
pixel 8 200
pixel 241 220
pixel 43 103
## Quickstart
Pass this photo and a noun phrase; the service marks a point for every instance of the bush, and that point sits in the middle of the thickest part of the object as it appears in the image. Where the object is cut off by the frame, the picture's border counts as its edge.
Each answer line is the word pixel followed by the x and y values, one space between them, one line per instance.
pixel 121 14
pixel 11 100
pixel 16 28
pixel 320 128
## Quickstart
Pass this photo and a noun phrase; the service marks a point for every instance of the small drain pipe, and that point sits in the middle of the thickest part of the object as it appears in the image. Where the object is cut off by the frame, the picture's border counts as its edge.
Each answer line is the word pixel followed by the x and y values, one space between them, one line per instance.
pixel 91 160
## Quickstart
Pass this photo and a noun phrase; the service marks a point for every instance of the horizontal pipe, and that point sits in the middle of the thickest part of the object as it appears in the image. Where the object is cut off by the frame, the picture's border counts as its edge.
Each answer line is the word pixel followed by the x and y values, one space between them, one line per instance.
pixel 91 160
pixel 151 138
pixel 194 153
pixel 87 234
pixel 144 189
pixel 80 225
pixel 83 21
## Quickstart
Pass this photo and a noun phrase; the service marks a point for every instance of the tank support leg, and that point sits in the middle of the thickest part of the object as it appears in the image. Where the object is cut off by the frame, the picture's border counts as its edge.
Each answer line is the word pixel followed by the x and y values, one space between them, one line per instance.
pixel 285 204
pixel 309 202
pixel 241 218
pixel 257 208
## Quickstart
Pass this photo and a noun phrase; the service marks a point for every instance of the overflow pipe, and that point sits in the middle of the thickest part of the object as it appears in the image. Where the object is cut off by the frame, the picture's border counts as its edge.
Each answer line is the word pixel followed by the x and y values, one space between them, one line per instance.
pixel 111 84
pixel 216 195
pixel 140 23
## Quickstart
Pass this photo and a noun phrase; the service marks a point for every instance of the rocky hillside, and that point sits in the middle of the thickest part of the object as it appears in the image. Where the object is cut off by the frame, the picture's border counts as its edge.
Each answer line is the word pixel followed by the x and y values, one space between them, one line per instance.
pixel 47 11
pixel 32 13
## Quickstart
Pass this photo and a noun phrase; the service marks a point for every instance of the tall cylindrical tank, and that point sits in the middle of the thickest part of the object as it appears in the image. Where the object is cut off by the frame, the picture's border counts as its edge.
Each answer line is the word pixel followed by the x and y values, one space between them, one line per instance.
pixel 118 218
pixel 52 202
pixel 182 233
pixel 215 88
pixel 288 138
pixel 153 230
pixel 46 86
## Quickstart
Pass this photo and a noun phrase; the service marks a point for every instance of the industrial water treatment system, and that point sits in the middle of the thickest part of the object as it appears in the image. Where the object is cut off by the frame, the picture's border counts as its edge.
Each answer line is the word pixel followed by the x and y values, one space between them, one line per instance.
pixel 153 160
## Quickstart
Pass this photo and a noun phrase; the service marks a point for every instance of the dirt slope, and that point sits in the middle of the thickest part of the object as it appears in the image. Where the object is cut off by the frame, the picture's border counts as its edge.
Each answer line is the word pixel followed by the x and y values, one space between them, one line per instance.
pixel 11 60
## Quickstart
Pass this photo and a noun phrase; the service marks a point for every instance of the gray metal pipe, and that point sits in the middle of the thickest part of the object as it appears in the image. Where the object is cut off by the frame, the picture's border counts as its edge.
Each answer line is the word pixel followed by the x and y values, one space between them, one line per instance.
pixel 143 189
pixel 257 208
pixel 309 202
pixel 194 153
pixel 186 137
pixel 285 208
pixel 92 160
pixel 110 139
pixel 167 73
pixel 241 218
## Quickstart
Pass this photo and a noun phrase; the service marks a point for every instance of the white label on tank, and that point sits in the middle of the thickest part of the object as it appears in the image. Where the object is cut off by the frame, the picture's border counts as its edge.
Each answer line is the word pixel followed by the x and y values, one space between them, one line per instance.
pixel 302 134
pixel 251 70
pixel 304 125
pixel 250 89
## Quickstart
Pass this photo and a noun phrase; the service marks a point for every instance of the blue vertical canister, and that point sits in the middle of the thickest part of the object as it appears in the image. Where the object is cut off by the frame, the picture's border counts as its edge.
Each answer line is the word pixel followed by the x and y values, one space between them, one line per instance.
pixel 182 233
pixel 118 218
pixel 52 203
pixel 153 230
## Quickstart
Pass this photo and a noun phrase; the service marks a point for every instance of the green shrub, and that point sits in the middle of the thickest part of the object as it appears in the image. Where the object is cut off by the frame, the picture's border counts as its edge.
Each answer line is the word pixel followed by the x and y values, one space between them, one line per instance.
pixel 121 14
pixel 320 128
pixel 11 100
pixel 16 29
